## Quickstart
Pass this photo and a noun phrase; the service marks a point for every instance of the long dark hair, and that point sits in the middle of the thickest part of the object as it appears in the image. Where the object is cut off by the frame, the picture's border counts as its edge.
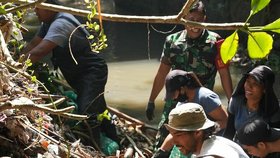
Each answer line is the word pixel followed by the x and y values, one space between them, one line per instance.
pixel 192 80
pixel 269 103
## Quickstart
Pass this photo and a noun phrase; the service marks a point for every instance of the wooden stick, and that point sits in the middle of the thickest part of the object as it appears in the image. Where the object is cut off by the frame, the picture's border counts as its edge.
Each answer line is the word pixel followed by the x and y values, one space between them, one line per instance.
pixel 129 118
pixel 134 145
pixel 60 112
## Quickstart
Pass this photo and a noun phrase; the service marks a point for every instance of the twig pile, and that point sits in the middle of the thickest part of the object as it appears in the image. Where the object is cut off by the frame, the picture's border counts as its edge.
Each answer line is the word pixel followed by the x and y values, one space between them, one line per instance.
pixel 31 123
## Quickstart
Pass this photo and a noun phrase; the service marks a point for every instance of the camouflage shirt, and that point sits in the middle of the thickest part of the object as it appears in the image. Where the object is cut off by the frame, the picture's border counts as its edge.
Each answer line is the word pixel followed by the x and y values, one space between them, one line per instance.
pixel 198 55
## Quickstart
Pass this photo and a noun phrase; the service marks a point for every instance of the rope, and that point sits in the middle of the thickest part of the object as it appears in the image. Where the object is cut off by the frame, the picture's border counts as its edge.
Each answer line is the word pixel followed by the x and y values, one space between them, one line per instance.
pixel 163 32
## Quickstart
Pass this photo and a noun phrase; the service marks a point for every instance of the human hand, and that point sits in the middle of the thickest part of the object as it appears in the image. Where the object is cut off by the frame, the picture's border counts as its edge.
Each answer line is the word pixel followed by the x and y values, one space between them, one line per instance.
pixel 150 111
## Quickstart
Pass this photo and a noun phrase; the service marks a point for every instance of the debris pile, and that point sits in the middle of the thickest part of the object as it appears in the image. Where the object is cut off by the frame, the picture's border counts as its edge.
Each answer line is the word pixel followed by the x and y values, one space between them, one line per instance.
pixel 32 121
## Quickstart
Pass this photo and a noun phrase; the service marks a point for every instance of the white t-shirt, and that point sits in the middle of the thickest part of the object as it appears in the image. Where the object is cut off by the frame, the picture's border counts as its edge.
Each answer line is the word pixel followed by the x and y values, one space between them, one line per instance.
pixel 222 147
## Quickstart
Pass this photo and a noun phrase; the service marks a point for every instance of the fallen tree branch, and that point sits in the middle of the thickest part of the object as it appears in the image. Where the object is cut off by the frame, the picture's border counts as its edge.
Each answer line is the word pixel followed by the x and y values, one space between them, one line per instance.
pixel 10 105
pixel 60 112
pixel 25 6
pixel 129 118
pixel 126 117
pixel 134 145
pixel 47 96
pixel 54 104
pixel 137 129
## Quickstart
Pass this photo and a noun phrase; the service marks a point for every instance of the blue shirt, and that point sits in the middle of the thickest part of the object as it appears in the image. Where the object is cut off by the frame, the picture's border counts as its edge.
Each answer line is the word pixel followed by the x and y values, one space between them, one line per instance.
pixel 238 108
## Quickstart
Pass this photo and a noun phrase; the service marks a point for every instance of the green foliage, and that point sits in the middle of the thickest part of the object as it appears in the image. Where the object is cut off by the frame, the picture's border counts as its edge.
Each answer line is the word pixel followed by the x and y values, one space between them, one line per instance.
pixel 97 33
pixel 259 42
pixel 274 27
pixel 3 8
pixel 258 5
pixel 229 47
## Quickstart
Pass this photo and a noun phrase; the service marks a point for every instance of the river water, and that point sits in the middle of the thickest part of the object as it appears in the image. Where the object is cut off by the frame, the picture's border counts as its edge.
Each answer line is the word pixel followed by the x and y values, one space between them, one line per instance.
pixel 129 86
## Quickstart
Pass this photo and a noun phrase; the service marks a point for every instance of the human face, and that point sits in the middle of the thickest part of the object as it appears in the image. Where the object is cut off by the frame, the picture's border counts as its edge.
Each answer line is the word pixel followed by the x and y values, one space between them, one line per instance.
pixel 258 150
pixel 196 16
pixel 253 89
pixel 44 15
pixel 185 141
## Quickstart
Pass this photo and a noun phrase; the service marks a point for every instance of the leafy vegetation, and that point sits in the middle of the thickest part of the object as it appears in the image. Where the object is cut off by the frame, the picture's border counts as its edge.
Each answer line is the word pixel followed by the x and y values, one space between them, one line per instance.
pixel 259 42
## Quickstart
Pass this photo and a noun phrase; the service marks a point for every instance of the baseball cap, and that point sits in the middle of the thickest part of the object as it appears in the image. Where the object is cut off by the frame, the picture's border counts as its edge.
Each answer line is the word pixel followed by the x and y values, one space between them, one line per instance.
pixel 257 130
pixel 178 78
pixel 173 81
pixel 188 117
pixel 262 73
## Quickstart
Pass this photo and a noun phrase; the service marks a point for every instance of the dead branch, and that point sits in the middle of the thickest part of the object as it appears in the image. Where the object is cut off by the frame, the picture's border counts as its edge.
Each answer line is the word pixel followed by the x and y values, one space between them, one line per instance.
pixel 11 105
pixel 4 52
pixel 126 117
pixel 134 145
pixel 186 8
pixel 47 96
pixel 61 144
pixel 28 5
pixel 54 104
pixel 173 19
pixel 30 106
pixel 138 130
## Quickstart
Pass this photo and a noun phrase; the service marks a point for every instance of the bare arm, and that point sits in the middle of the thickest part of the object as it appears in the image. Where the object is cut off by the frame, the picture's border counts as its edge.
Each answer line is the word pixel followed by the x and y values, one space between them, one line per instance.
pixel 220 116
pixel 42 48
pixel 168 143
pixel 159 81
pixel 33 43
pixel 226 81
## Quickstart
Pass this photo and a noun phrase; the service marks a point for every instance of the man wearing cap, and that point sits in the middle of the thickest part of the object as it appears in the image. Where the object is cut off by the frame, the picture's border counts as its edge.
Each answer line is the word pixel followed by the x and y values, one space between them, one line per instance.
pixel 192 133
pixel 87 77
pixel 183 87
pixel 259 139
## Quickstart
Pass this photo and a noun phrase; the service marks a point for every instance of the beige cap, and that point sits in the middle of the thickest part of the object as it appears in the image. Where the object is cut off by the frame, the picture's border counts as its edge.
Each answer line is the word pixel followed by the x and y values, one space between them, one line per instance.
pixel 188 117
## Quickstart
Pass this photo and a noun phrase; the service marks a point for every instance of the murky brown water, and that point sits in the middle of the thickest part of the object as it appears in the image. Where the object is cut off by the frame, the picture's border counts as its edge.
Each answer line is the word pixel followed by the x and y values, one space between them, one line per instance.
pixel 130 83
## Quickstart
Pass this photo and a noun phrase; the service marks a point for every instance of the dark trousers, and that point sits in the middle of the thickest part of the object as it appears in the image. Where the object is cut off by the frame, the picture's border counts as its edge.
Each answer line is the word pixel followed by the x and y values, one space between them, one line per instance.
pixel 91 101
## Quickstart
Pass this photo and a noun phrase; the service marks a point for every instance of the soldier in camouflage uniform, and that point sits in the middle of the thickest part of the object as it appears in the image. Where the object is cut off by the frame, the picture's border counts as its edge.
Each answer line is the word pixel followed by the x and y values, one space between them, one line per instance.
pixel 193 49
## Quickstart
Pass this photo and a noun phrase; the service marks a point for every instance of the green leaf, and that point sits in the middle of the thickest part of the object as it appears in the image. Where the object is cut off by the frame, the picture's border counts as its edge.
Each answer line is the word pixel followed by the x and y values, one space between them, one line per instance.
pixel 30 90
pixel 274 26
pixel 19 14
pixel 28 62
pixel 96 28
pixel 90 37
pixel 257 5
pixel 229 47
pixel 259 44
pixel 33 78
pixel 2 11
